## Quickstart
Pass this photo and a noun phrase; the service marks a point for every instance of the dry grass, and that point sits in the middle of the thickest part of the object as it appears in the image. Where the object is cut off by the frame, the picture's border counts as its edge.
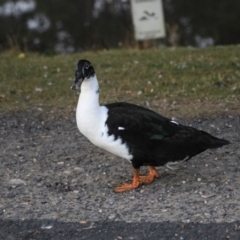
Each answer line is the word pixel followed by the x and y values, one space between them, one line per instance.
pixel 181 82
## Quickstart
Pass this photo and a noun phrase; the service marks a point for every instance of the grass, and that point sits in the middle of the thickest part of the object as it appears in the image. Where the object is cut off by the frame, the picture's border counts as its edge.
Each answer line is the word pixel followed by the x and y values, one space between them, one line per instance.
pixel 178 82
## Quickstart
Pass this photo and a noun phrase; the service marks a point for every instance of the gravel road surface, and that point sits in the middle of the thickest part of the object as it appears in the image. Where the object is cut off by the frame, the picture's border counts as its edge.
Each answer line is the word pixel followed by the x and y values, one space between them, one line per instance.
pixel 56 185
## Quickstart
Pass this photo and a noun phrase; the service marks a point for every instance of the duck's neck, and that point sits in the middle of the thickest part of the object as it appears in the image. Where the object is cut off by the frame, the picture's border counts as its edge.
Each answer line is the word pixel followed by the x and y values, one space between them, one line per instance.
pixel 89 96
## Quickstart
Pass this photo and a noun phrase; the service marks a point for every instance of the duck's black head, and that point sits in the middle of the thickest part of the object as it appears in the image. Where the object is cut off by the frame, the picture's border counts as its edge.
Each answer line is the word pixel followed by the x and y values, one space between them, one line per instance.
pixel 84 70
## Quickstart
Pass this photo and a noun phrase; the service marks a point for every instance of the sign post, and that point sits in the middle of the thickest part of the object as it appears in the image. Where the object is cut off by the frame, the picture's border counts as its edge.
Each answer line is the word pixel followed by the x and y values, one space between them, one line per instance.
pixel 148 19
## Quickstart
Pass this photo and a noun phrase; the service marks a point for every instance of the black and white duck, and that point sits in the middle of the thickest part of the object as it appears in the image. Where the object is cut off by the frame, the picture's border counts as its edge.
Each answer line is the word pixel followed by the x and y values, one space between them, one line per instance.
pixel 135 133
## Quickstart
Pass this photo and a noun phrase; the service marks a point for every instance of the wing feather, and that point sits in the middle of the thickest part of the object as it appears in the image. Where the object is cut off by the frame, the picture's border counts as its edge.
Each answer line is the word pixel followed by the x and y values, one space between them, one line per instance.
pixel 134 118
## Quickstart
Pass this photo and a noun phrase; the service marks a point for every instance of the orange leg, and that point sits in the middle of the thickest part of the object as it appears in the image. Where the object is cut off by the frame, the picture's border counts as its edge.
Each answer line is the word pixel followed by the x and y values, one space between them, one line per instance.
pixel 150 177
pixel 129 186
pixel 137 180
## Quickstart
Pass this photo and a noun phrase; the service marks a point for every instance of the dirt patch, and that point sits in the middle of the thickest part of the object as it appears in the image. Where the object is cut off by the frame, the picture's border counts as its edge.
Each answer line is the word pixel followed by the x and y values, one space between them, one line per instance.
pixel 50 171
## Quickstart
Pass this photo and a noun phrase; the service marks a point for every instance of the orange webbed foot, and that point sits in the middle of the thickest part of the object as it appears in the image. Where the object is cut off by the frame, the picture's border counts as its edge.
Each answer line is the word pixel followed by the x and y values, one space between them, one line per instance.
pixel 126 187
pixel 150 177
pixel 129 186
pixel 138 180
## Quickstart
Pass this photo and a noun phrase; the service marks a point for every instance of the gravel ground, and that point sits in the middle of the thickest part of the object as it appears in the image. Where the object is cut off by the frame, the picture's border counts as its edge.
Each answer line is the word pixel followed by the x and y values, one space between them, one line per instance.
pixel 49 171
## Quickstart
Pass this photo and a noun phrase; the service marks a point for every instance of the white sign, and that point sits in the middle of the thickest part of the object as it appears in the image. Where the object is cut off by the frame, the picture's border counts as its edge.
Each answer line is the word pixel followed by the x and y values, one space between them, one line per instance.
pixel 148 19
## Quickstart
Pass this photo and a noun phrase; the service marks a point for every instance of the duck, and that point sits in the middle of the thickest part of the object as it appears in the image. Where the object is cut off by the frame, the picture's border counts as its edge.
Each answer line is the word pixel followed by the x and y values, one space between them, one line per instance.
pixel 132 132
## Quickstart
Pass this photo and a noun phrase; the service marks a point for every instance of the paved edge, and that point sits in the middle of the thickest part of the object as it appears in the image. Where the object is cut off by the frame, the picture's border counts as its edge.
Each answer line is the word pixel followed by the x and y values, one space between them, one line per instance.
pixel 52 229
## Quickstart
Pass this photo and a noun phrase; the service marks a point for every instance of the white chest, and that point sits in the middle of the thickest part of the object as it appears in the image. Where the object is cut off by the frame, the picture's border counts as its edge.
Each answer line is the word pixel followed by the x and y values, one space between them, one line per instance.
pixel 92 124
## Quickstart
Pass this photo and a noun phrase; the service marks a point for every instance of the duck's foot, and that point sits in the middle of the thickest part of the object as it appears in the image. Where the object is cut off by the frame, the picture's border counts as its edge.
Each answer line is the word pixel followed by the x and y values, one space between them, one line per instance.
pixel 137 180
pixel 126 187
pixel 150 177
pixel 129 186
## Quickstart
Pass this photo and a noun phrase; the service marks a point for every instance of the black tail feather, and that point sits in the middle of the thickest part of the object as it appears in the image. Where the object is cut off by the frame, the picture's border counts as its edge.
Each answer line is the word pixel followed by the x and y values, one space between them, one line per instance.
pixel 217 142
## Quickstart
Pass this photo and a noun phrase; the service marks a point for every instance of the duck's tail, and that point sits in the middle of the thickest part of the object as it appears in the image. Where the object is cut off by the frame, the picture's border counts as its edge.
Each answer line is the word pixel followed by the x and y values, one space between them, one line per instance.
pixel 214 142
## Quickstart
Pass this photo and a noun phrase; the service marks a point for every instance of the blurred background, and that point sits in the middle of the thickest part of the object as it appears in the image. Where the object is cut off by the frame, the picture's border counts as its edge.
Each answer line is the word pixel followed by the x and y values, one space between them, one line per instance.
pixel 66 26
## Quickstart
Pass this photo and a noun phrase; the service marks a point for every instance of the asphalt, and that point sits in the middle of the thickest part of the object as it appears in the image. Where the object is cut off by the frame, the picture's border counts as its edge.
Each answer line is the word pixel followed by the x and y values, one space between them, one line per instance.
pixel 49 229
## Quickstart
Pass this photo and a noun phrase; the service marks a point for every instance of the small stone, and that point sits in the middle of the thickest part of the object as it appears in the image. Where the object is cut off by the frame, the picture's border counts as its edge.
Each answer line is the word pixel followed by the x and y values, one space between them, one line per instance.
pixel 111 201
pixel 111 216
pixel 207 215
pixel 82 222
pixel 17 181
pixel 78 169
pixel 199 179
pixel 60 163
pixel 212 185
pixel 207 196
pixel 46 226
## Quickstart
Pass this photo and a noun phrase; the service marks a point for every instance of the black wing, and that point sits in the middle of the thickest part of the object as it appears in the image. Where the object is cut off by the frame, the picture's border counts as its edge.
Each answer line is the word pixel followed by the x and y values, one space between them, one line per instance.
pixel 135 119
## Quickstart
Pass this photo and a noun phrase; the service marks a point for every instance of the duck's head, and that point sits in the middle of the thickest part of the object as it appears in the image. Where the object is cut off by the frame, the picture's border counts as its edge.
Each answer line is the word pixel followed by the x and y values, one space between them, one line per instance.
pixel 84 70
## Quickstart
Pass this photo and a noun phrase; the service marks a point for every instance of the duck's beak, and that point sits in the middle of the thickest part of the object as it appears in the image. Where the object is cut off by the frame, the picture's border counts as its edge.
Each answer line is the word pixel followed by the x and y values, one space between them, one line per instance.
pixel 78 80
